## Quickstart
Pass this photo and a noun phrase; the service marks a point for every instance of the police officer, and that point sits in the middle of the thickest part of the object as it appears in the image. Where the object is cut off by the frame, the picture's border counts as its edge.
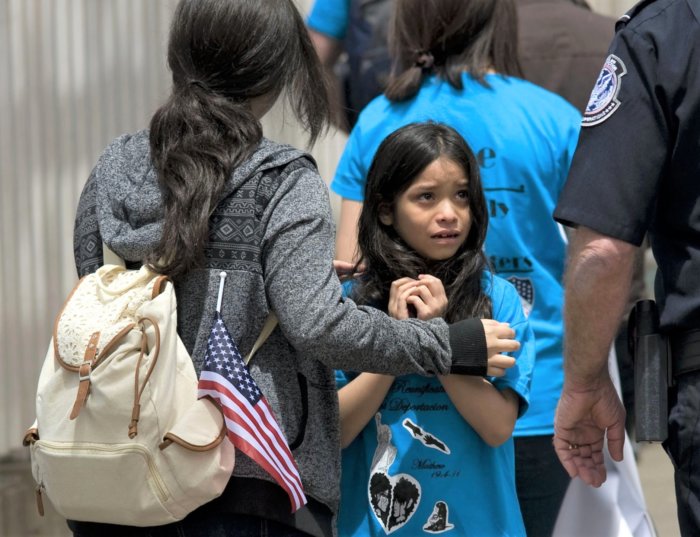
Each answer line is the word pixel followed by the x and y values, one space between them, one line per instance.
pixel 636 170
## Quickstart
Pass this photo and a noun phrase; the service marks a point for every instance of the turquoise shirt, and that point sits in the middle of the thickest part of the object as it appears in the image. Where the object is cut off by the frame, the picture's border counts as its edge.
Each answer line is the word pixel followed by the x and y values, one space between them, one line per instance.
pixel 524 138
pixel 419 468
pixel 330 17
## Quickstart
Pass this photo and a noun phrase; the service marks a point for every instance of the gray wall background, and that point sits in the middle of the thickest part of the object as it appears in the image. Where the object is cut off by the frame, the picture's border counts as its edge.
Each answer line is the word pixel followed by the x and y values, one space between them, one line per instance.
pixel 73 75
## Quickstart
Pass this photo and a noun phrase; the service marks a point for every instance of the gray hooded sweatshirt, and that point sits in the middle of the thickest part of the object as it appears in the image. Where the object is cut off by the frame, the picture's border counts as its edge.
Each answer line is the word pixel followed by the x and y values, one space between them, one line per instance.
pixel 273 234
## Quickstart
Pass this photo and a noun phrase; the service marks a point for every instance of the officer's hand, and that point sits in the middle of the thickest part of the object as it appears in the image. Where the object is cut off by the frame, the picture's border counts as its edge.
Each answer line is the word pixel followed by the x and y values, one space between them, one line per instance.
pixel 584 415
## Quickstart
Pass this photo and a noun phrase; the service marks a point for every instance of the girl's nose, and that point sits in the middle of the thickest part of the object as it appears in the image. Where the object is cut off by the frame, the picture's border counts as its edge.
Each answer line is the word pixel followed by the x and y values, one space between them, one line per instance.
pixel 446 213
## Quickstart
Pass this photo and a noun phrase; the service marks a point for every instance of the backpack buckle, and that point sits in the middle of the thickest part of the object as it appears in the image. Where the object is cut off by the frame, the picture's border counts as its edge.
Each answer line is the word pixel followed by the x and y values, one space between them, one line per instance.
pixel 85 376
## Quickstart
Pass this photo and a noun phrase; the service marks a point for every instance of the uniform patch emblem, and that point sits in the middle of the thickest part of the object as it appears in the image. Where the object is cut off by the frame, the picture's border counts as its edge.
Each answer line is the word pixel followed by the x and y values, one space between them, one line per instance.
pixel 604 101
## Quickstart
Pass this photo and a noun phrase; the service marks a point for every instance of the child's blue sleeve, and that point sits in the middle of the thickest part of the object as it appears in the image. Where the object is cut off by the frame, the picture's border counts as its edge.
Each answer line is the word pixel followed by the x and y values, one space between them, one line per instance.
pixel 341 379
pixel 330 17
pixel 350 174
pixel 507 308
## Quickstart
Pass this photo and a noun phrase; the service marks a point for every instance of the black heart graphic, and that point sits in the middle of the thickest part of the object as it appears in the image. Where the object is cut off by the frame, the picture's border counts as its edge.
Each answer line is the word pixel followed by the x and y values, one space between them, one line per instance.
pixel 394 499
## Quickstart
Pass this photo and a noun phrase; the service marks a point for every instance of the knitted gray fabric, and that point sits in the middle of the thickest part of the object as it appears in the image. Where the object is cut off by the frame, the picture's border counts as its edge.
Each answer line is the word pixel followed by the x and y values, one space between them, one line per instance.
pixel 273 233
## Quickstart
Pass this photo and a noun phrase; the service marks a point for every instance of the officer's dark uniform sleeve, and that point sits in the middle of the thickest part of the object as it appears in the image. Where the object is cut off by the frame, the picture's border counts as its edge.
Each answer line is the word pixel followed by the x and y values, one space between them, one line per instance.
pixel 622 154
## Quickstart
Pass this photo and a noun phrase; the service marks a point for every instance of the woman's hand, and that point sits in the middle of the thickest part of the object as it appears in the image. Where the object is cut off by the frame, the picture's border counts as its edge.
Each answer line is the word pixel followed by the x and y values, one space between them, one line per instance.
pixel 426 295
pixel 346 270
pixel 499 339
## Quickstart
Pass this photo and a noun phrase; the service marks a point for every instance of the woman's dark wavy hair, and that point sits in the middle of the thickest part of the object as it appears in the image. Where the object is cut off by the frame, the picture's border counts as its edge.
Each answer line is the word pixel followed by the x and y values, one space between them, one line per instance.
pixel 401 157
pixel 222 53
pixel 449 37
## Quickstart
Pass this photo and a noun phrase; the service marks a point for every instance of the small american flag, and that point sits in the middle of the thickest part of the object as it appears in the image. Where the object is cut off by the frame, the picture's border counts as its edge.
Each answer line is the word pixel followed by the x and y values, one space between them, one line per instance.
pixel 251 426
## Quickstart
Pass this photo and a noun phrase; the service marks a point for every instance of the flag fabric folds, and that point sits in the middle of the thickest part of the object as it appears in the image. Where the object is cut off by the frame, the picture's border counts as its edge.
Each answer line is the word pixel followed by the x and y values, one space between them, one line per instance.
pixel 251 426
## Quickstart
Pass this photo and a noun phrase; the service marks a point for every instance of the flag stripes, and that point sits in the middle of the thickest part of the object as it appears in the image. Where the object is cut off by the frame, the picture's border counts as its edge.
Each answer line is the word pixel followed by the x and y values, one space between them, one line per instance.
pixel 253 430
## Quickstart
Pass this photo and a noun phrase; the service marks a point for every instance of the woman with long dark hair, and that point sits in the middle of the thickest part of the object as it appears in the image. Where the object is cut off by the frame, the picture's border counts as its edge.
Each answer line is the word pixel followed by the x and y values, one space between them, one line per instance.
pixel 203 192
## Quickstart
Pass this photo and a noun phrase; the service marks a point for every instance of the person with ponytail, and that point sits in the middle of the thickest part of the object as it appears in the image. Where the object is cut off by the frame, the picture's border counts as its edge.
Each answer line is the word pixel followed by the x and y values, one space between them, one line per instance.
pixel 202 192
pixel 456 62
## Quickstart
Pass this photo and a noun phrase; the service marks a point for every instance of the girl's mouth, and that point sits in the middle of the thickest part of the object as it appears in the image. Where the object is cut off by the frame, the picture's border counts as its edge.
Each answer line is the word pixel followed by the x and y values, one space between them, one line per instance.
pixel 445 235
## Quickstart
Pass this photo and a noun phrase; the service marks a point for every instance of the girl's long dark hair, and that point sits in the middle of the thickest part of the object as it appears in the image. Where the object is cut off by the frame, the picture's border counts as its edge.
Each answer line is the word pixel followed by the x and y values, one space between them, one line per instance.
pixel 222 54
pixel 449 37
pixel 401 157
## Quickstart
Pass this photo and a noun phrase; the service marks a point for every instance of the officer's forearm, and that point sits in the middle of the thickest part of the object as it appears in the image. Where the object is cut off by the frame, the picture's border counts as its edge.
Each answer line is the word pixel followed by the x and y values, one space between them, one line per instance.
pixel 597 286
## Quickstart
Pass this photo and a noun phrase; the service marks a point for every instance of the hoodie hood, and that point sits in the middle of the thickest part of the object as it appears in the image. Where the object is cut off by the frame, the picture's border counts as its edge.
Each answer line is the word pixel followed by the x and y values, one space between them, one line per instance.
pixel 129 199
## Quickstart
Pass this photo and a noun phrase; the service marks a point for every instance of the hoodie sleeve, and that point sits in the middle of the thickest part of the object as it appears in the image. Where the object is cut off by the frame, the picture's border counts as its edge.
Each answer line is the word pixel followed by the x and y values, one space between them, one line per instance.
pixel 304 291
pixel 87 241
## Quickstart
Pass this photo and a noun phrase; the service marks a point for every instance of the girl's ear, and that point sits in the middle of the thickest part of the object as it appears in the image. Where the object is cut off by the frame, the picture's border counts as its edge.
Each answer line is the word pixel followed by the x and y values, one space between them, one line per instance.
pixel 386 215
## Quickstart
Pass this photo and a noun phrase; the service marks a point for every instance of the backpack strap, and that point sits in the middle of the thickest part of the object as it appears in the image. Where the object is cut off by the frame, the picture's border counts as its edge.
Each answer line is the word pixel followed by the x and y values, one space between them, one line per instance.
pixel 268 327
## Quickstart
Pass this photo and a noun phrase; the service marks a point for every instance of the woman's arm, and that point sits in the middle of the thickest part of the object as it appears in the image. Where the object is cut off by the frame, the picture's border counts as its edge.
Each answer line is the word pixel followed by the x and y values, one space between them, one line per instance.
pixel 361 398
pixel 304 291
pixel 492 413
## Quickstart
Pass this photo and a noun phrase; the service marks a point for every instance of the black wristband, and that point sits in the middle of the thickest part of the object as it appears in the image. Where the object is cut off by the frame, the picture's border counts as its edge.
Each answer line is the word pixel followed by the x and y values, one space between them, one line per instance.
pixel 468 343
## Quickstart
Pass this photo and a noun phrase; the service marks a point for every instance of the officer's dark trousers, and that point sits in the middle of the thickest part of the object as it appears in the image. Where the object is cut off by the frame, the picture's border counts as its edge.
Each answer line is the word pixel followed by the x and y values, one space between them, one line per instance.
pixel 683 446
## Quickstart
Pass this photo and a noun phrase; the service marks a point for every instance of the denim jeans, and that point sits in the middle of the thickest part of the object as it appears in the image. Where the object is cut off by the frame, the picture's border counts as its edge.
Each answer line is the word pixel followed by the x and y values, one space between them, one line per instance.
pixel 215 525
pixel 541 482
pixel 683 447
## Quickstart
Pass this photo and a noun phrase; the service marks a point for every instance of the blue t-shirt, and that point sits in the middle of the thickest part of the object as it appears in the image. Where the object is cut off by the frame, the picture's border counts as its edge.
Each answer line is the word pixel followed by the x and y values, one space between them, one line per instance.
pixel 330 17
pixel 524 138
pixel 419 468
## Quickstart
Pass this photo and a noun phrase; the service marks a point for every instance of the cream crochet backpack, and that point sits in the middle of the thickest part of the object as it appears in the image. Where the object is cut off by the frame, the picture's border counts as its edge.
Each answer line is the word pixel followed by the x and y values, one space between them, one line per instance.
pixel 120 436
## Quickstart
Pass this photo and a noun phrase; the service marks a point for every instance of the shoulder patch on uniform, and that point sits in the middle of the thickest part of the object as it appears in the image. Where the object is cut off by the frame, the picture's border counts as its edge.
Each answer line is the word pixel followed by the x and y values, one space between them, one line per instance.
pixel 604 101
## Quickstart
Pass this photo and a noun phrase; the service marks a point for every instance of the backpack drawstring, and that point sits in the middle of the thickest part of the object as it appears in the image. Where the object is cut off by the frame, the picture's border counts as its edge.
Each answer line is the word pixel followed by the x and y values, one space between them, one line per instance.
pixel 138 390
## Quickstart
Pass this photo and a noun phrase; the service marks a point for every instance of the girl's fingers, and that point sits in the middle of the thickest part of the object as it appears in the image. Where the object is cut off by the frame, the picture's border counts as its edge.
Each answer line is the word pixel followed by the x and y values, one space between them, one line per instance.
pixel 423 310
pixel 398 308
pixel 427 305
pixel 433 283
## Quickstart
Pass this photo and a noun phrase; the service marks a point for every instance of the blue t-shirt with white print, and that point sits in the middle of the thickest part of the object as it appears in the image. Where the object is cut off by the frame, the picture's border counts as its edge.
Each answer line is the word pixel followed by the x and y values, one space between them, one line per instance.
pixel 524 138
pixel 419 468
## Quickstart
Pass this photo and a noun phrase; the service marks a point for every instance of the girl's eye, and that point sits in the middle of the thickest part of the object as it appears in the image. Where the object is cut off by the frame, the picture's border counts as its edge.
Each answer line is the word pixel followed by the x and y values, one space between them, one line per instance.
pixel 425 196
pixel 463 194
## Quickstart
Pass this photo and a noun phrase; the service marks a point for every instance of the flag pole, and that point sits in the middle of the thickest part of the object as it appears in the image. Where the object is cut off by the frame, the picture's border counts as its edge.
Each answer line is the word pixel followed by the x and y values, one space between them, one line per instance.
pixel 222 275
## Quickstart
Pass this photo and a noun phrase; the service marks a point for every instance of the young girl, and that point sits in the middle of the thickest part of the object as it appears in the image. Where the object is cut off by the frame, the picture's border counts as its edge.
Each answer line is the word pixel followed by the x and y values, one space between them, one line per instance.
pixel 457 62
pixel 429 455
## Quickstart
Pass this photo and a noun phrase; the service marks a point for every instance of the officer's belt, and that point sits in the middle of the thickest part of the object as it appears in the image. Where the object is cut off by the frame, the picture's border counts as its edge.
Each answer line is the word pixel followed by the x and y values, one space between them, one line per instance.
pixel 685 352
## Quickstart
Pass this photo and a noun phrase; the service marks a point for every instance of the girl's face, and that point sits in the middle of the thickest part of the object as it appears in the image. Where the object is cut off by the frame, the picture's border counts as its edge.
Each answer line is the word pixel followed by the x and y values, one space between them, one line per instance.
pixel 432 215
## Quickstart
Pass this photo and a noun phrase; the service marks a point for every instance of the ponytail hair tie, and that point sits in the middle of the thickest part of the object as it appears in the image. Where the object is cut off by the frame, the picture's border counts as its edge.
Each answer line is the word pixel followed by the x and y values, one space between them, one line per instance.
pixel 424 59
pixel 198 83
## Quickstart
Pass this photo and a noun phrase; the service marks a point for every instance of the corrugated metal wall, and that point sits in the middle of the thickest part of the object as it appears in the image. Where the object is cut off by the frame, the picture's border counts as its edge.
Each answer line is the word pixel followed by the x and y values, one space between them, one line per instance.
pixel 73 75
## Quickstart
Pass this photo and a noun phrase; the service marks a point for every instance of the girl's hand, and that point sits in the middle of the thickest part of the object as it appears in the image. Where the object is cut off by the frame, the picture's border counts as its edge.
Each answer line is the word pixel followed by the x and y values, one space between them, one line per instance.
pixel 425 295
pixel 399 292
pixel 499 339
pixel 429 298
